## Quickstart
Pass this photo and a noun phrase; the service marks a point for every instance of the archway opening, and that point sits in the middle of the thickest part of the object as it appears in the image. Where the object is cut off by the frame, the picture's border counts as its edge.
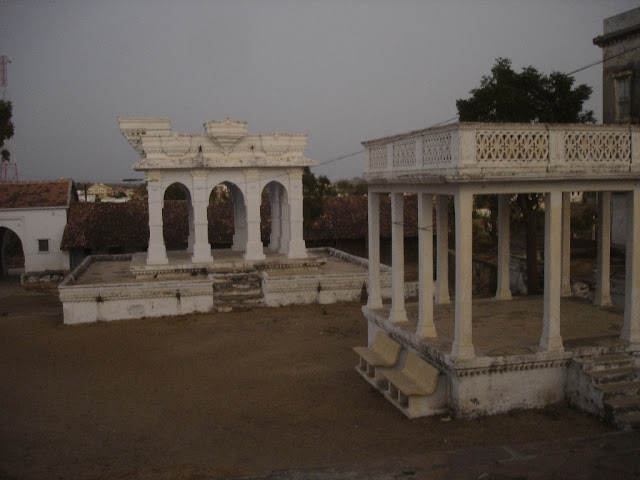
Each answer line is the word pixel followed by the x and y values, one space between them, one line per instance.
pixel 177 215
pixel 11 253
pixel 226 216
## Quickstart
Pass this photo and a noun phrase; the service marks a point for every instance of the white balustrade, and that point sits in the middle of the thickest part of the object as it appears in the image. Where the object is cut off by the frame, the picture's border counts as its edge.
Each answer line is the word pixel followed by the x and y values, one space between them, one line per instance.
pixel 504 149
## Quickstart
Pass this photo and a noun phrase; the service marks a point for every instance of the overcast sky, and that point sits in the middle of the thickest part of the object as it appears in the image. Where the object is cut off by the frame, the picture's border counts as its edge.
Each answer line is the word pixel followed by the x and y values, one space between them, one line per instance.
pixel 341 71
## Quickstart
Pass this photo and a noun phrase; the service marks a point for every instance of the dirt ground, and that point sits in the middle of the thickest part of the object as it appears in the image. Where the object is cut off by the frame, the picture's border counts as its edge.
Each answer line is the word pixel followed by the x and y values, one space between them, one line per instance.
pixel 212 396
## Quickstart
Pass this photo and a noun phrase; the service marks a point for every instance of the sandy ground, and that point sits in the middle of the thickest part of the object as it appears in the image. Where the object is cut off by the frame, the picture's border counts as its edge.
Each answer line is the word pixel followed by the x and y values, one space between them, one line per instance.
pixel 212 396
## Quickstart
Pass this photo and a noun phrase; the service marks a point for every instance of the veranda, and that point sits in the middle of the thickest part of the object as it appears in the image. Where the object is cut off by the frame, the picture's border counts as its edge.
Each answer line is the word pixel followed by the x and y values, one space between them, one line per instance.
pixel 523 359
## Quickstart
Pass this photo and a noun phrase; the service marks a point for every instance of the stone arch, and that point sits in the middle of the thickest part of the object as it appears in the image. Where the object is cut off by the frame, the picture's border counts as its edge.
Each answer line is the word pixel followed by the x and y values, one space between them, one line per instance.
pixel 175 224
pixel 228 219
pixel 12 255
pixel 279 225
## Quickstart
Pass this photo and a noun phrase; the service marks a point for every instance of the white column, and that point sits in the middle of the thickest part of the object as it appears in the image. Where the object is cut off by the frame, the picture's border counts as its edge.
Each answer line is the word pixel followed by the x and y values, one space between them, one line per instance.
pixel 297 247
pixel 200 200
pixel 286 226
pixel 156 252
pixel 275 198
pixel 631 327
pixel 426 327
pixel 239 221
pixel 254 247
pixel 375 298
pixel 503 290
pixel 603 292
pixel 398 314
pixel 566 244
pixel 551 339
pixel 192 234
pixel 442 249
pixel 462 348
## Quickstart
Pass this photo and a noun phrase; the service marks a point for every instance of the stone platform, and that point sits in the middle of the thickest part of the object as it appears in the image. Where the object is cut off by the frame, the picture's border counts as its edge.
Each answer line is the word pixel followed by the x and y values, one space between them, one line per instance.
pixel 223 260
pixel 116 287
pixel 509 370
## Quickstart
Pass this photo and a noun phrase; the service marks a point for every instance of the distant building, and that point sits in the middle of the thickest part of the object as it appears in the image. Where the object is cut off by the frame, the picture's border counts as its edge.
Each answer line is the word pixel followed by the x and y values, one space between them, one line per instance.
pixel 100 190
pixel 36 212
pixel 620 43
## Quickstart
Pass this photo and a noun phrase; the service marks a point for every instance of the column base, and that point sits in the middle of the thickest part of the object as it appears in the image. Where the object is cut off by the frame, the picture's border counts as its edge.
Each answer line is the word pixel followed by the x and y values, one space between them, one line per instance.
pixel 398 316
pixel 374 304
pixel 297 250
pixel 254 251
pixel 157 255
pixel 202 254
pixel 504 295
pixel 551 344
pixel 427 332
pixel 462 352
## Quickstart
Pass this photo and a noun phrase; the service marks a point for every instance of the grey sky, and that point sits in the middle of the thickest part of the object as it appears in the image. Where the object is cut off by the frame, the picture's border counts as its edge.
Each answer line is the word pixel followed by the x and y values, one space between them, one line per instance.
pixel 341 71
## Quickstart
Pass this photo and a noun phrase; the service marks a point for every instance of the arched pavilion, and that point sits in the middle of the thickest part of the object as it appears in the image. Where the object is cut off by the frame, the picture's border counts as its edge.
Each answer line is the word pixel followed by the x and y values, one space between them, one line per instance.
pixel 225 154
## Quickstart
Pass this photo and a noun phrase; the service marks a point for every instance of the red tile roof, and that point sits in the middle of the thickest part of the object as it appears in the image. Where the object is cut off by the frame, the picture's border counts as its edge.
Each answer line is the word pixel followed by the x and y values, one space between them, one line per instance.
pixel 57 193
pixel 126 225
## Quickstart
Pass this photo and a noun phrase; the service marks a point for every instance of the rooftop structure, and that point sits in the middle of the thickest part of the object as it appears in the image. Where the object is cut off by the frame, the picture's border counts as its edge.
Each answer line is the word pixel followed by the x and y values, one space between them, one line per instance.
pixel 244 163
pixel 467 159
pixel 620 43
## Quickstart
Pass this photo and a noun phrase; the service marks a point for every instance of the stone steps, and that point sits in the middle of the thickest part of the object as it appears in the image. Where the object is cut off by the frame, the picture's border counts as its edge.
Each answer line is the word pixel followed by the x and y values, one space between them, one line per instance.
pixel 608 386
pixel 237 290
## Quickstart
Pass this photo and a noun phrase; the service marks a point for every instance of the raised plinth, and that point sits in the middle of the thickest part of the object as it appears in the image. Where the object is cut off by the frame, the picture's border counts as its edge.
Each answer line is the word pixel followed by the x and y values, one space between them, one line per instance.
pixel 180 263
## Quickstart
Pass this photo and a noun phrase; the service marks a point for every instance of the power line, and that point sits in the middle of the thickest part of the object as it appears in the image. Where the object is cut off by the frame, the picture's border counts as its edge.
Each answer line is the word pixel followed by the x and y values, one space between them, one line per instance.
pixel 603 60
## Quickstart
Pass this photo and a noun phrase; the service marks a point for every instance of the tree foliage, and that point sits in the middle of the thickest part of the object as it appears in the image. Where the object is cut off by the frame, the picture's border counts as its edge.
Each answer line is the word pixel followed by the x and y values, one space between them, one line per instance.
pixel 6 127
pixel 526 97
pixel 314 189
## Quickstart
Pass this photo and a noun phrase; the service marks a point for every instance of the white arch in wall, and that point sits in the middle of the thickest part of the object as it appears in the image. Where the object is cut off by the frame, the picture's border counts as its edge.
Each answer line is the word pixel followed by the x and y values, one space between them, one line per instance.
pixel 4 230
pixel 185 188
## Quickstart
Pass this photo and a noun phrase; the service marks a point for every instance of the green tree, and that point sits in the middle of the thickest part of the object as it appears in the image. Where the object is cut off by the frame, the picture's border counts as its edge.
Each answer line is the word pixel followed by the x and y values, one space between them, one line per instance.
pixel 6 127
pixel 528 96
pixel 314 189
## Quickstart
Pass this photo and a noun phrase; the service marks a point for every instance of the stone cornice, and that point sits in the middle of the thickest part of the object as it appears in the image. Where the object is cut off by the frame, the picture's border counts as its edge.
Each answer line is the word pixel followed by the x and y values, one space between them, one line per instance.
pixel 225 144
pixel 617 36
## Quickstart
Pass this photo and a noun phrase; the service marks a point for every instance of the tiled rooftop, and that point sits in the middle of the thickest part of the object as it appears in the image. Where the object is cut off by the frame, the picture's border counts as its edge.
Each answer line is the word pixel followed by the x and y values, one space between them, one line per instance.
pixel 57 193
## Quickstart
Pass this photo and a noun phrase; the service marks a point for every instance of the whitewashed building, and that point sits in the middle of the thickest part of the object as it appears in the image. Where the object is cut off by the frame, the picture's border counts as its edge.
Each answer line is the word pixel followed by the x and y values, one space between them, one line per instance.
pixel 37 213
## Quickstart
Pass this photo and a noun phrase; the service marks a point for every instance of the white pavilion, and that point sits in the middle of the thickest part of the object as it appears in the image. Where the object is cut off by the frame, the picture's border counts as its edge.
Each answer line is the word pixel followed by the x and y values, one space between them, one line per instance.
pixel 225 154
pixel 467 159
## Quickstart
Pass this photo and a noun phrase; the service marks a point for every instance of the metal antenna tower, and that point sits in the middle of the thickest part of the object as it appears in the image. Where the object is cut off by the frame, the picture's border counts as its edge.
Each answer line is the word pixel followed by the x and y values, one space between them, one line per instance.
pixel 8 170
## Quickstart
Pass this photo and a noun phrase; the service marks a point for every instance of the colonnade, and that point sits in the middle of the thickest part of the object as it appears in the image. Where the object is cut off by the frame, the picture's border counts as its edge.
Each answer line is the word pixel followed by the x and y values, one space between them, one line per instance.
pixel 556 260
pixel 246 194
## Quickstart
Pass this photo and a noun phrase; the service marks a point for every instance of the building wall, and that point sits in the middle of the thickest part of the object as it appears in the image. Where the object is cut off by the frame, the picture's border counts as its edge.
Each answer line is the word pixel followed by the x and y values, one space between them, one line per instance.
pixel 32 225
pixel 629 62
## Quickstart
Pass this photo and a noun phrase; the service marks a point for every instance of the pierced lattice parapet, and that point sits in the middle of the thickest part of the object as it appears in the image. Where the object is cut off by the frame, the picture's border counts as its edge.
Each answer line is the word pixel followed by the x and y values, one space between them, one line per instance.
pixel 590 146
pixel 378 157
pixel 436 149
pixel 512 146
pixel 404 152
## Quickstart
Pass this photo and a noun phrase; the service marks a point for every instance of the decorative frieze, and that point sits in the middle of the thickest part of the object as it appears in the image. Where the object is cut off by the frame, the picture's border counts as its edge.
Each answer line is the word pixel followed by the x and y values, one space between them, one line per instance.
pixel 224 144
